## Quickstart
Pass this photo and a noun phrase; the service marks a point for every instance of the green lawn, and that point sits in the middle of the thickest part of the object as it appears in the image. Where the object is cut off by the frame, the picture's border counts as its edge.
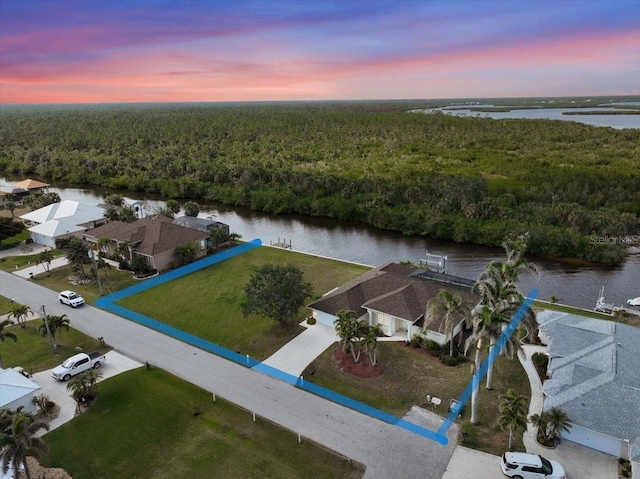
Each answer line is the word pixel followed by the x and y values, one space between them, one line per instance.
pixel 14 240
pixel 207 303
pixel 150 424
pixel 13 263
pixel 410 376
pixel 33 352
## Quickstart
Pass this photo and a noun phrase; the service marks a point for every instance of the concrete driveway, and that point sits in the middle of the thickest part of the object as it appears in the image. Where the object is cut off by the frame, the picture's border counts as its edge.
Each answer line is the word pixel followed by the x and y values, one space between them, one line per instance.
pixel 116 363
pixel 298 353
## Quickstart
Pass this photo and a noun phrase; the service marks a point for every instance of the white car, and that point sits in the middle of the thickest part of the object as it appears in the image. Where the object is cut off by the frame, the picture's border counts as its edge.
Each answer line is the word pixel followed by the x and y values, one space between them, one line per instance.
pixel 634 302
pixel 71 299
pixel 520 465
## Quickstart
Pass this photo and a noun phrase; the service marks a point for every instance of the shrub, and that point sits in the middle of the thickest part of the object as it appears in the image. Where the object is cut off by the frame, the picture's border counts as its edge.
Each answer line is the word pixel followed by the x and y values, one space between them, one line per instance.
pixel 432 347
pixel 541 360
pixel 416 341
pixel 451 360
pixel 311 321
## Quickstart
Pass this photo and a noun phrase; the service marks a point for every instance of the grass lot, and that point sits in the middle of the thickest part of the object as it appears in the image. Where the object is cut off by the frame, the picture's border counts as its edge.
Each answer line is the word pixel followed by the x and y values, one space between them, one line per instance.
pixel 207 303
pixel 32 351
pixel 410 376
pixel 112 280
pixel 10 263
pixel 14 240
pixel 145 424
pixel 5 305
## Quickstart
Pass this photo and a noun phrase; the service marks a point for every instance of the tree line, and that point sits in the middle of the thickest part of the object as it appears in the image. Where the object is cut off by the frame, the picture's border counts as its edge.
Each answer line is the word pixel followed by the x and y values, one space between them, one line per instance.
pixel 471 180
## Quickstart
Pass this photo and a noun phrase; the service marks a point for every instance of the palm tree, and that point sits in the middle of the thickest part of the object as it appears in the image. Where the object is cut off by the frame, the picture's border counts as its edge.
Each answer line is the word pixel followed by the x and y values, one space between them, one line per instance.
pixel 344 328
pixel 83 387
pixel 123 252
pixel 77 253
pixel 557 422
pixel 20 312
pixel 513 413
pixel 6 334
pixel 45 258
pixel 370 342
pixel 18 440
pixel 56 323
pixel 452 308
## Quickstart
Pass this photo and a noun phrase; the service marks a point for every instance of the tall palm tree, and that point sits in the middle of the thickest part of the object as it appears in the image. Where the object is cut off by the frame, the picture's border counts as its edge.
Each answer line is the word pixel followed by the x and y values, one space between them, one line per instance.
pixel 18 441
pixel 370 342
pixel 45 258
pixel 513 413
pixel 77 253
pixel 452 308
pixel 344 328
pixel 20 312
pixel 6 334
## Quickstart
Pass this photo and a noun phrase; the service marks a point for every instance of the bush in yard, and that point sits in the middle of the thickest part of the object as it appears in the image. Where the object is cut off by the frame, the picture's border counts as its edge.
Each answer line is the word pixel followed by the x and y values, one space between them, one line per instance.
pixel 451 360
pixel 416 341
pixel 432 347
pixel 311 321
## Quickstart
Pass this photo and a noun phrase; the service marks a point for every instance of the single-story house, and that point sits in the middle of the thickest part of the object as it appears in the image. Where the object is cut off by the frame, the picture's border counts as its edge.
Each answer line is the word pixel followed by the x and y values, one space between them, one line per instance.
pixel 155 238
pixel 17 390
pixel 595 379
pixel 202 224
pixel 395 296
pixel 61 220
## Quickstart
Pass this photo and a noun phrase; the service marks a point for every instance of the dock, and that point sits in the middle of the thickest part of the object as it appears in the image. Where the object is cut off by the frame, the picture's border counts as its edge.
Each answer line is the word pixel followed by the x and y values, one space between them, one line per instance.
pixel 282 244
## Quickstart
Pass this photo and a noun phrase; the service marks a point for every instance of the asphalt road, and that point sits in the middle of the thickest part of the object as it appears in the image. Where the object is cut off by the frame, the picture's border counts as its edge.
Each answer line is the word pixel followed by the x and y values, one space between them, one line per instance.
pixel 386 451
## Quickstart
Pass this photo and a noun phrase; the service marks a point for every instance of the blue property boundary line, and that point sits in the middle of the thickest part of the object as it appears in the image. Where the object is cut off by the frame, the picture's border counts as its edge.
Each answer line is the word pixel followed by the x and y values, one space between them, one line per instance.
pixel 489 360
pixel 108 303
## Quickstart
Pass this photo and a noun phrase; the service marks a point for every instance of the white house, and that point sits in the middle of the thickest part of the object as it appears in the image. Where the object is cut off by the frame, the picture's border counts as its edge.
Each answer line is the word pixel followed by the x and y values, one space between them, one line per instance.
pixel 17 390
pixel 595 379
pixel 60 220
pixel 395 296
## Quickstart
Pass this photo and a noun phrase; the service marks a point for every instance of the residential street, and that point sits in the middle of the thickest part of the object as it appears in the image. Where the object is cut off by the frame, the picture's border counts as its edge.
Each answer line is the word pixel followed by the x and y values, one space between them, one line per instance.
pixel 386 450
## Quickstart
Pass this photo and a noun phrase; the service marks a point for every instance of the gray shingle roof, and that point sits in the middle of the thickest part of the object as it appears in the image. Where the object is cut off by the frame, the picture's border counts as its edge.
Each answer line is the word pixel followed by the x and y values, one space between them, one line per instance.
pixel 595 370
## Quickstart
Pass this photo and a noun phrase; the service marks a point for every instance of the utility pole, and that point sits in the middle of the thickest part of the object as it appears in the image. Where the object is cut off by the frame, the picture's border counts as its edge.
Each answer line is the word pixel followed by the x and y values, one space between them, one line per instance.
pixel 95 268
pixel 46 323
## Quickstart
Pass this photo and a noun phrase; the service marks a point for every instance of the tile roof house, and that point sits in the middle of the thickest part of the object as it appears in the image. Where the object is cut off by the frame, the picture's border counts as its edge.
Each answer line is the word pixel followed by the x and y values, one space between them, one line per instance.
pixel 16 390
pixel 155 238
pixel 60 220
pixel 595 379
pixel 393 296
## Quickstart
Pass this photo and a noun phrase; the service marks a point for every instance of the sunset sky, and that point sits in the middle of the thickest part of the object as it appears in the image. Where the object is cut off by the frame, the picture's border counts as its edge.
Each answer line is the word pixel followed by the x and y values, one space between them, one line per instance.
pixel 91 51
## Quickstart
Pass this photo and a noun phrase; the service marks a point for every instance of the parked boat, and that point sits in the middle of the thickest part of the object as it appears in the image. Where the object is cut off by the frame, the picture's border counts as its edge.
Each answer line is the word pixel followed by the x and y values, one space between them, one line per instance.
pixel 601 305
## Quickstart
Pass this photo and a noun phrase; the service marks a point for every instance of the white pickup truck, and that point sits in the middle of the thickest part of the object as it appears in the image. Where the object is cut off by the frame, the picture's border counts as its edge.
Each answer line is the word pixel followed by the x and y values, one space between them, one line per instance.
pixel 78 364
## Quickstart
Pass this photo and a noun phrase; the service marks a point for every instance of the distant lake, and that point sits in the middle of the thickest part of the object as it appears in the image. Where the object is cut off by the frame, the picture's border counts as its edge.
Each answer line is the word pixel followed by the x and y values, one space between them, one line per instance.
pixel 618 122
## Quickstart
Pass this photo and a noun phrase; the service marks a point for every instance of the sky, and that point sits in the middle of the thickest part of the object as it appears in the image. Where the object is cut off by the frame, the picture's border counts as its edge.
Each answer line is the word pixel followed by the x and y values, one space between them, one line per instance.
pixel 93 51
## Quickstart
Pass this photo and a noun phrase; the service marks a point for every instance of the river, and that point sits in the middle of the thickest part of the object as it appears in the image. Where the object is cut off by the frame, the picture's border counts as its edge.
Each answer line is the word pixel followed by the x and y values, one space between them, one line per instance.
pixel 613 120
pixel 576 284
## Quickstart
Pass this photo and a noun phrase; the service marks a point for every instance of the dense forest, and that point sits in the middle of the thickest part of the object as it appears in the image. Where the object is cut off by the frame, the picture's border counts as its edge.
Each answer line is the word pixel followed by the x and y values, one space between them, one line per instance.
pixel 472 180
